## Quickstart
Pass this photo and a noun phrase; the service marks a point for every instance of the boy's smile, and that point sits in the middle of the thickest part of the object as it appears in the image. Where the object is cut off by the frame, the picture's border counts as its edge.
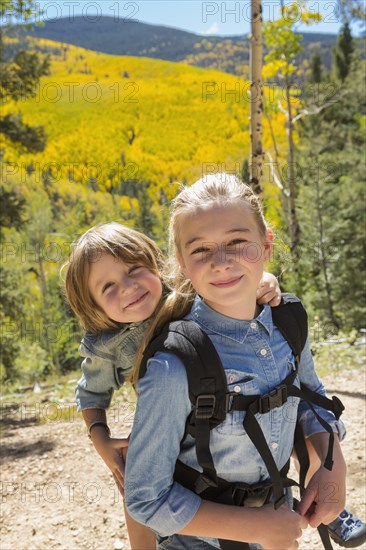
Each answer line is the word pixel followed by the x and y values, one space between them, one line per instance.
pixel 223 253
pixel 127 293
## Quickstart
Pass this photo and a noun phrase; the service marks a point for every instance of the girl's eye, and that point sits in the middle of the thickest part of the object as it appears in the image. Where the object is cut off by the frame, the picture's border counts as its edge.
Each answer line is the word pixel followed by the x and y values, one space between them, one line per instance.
pixel 201 250
pixel 235 242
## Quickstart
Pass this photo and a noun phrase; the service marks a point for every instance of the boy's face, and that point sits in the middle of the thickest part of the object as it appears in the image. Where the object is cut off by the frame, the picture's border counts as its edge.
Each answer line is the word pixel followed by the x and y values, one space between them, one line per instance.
pixel 223 253
pixel 127 293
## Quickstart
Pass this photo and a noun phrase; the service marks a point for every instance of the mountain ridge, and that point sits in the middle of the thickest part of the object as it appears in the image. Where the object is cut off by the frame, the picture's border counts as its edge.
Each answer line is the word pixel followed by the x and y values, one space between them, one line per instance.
pixel 134 38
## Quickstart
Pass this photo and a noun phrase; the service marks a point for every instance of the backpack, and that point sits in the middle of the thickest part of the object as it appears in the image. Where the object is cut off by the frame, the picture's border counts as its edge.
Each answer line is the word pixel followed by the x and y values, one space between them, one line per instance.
pixel 211 401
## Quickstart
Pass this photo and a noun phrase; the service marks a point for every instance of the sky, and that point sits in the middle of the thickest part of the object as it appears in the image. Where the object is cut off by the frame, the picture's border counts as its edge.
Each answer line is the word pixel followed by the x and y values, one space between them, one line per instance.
pixel 201 17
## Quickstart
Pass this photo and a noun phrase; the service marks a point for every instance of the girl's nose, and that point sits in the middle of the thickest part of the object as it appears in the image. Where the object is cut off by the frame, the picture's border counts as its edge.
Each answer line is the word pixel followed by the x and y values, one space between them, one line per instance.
pixel 221 260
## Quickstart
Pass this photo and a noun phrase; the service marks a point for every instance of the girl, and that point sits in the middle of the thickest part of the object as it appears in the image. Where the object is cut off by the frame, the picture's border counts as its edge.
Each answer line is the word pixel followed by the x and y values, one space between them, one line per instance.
pixel 113 284
pixel 222 242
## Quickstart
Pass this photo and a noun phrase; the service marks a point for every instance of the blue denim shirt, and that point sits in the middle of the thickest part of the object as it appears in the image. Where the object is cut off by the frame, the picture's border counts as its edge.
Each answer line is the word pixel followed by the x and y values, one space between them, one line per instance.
pixel 108 358
pixel 256 358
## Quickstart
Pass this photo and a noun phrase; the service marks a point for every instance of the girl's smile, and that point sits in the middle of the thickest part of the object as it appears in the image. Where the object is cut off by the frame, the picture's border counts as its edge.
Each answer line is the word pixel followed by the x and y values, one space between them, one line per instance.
pixel 222 251
pixel 227 283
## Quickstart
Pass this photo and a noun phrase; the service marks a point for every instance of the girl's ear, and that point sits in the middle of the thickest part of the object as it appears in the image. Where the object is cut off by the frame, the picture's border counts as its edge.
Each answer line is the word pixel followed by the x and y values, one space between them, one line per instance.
pixel 268 244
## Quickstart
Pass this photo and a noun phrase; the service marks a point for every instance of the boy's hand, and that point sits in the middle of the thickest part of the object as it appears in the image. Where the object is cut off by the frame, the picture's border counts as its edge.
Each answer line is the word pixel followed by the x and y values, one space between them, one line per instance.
pixel 113 452
pixel 325 495
pixel 323 499
pixel 269 291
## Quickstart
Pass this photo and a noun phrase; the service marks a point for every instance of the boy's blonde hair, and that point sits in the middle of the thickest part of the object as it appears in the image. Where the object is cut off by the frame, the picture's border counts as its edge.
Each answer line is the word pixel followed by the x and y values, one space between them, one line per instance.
pixel 108 238
pixel 213 189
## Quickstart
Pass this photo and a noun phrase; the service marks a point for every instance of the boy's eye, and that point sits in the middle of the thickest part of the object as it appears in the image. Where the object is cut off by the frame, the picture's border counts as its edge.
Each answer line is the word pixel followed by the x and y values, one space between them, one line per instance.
pixel 106 287
pixel 135 268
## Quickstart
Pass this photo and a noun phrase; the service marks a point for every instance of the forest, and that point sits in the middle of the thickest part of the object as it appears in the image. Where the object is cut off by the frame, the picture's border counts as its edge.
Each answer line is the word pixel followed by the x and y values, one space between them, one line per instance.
pixel 90 137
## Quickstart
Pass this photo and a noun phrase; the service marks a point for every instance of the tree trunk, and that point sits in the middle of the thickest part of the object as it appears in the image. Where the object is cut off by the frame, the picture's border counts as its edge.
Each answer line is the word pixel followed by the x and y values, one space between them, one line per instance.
pixel 291 185
pixel 256 96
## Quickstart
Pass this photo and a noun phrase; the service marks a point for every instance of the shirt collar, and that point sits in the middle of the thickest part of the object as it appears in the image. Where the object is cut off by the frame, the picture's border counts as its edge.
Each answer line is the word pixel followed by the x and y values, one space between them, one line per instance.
pixel 227 326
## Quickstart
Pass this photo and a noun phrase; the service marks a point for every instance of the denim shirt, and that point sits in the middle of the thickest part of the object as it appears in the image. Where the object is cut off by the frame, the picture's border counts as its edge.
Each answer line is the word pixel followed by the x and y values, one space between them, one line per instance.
pixel 108 358
pixel 256 358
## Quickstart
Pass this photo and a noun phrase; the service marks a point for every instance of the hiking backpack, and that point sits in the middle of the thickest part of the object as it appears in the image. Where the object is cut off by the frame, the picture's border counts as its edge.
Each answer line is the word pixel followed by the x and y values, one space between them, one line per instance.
pixel 211 401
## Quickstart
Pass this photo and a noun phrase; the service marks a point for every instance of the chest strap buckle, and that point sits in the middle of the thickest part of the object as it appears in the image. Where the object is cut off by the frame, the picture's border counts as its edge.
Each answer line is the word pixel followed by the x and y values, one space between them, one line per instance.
pixel 273 399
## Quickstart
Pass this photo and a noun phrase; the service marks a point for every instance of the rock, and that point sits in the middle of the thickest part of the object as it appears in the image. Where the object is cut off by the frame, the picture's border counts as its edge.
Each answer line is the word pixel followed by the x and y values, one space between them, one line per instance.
pixel 118 545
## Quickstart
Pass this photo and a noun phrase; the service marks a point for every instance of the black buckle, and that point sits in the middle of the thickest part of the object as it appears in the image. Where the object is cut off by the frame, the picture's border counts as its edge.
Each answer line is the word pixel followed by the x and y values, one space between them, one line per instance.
pixel 273 399
pixel 205 406
pixel 251 496
pixel 202 483
pixel 227 400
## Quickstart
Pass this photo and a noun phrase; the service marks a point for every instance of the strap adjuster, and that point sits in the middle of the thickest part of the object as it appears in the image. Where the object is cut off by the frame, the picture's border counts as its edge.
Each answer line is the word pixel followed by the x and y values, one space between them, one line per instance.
pixel 202 483
pixel 251 496
pixel 205 406
pixel 273 399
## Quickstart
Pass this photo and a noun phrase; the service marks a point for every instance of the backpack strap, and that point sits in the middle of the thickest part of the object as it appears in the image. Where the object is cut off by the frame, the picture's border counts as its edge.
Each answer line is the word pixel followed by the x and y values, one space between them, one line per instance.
pixel 291 319
pixel 207 387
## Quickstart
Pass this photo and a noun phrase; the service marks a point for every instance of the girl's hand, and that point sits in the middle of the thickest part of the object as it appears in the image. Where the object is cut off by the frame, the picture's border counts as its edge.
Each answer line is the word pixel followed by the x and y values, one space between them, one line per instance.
pixel 284 528
pixel 269 291
pixel 113 452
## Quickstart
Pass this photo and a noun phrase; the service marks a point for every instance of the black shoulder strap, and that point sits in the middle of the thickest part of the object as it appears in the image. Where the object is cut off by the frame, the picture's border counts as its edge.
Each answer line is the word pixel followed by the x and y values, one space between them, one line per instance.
pixel 207 386
pixel 291 319
pixel 188 342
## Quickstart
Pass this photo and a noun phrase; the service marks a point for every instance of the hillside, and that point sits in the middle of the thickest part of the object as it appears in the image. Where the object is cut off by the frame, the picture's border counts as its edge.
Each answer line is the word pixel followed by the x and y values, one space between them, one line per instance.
pixel 111 119
pixel 133 38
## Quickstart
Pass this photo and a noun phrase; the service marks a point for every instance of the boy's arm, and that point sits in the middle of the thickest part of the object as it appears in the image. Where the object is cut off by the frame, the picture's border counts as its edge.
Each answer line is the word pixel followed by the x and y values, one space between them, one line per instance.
pixel 269 291
pixel 109 449
pixel 325 495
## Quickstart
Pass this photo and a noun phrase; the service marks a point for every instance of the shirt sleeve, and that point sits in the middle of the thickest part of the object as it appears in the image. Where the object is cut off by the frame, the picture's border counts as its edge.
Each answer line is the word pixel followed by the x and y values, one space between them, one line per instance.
pixel 308 421
pixel 101 375
pixel 152 496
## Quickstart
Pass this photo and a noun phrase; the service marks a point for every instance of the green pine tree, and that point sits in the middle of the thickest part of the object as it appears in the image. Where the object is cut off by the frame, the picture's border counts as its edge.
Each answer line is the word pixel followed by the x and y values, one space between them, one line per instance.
pixel 342 54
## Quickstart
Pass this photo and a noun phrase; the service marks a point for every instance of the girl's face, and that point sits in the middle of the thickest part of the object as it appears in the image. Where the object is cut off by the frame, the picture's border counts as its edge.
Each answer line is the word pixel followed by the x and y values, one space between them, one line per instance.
pixel 127 293
pixel 223 253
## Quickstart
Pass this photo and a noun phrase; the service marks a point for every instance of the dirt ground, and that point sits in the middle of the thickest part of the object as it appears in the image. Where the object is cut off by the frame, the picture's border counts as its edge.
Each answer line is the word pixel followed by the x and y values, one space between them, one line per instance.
pixel 57 492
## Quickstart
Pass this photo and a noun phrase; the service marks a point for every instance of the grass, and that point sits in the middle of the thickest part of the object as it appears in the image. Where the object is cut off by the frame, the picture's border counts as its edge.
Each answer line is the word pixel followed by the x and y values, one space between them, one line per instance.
pixel 335 357
pixel 55 401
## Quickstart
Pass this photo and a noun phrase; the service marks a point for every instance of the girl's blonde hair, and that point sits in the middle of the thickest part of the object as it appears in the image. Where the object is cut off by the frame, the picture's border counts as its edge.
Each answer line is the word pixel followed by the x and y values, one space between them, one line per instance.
pixel 213 189
pixel 108 238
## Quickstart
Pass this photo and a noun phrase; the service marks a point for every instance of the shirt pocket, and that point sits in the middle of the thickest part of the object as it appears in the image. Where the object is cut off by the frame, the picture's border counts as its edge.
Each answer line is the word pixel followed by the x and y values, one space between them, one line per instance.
pixel 238 382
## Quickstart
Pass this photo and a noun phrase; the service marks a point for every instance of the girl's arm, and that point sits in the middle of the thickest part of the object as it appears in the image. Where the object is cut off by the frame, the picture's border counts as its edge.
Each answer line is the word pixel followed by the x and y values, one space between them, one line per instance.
pixel 282 527
pixel 152 495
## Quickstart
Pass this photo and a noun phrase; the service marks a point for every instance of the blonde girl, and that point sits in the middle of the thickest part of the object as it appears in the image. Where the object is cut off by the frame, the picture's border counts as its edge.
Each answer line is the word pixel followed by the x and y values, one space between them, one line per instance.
pixel 221 243
pixel 114 286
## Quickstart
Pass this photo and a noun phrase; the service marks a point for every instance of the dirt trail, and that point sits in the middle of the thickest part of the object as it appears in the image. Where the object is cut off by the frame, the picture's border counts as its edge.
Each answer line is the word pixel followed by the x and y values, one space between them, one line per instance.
pixel 57 492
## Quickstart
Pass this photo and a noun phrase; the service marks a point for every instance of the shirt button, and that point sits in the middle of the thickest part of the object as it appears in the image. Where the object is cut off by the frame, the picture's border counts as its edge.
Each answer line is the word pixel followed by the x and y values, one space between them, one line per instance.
pixel 237 389
pixel 274 445
pixel 253 325
pixel 264 352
